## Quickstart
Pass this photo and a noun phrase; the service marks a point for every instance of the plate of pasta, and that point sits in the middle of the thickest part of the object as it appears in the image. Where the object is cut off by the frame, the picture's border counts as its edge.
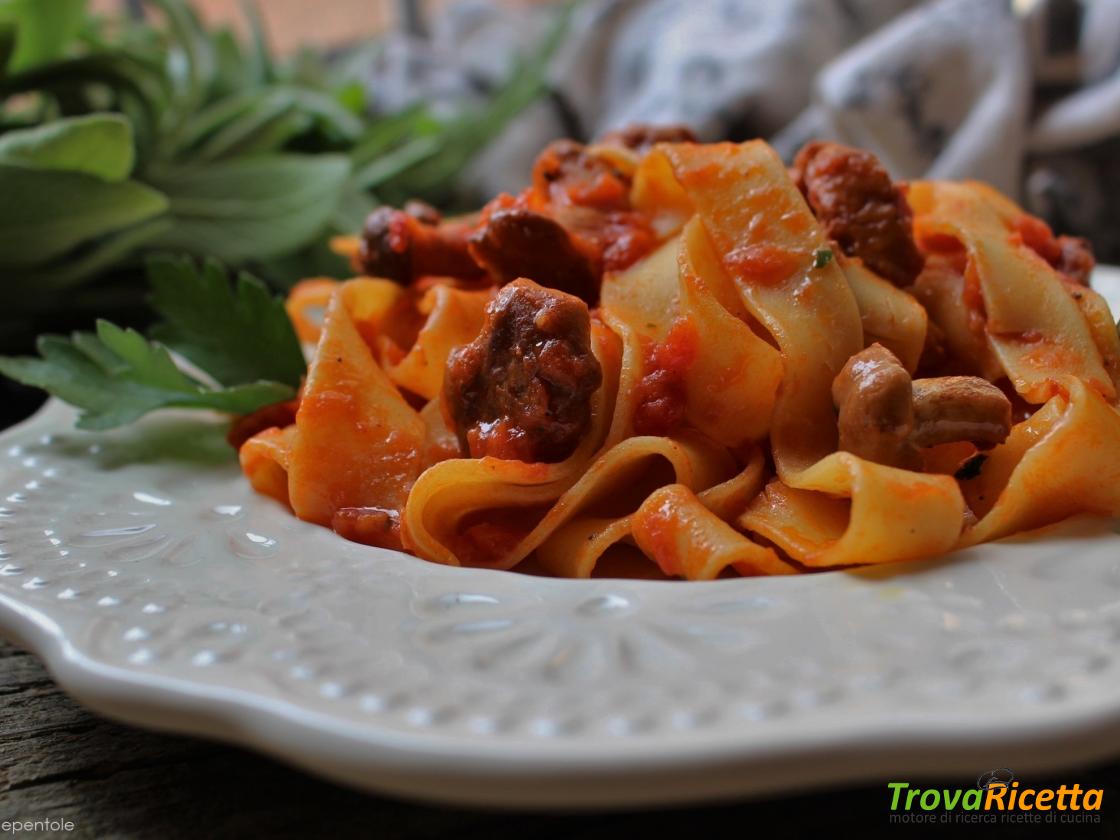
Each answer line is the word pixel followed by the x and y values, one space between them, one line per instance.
pixel 681 474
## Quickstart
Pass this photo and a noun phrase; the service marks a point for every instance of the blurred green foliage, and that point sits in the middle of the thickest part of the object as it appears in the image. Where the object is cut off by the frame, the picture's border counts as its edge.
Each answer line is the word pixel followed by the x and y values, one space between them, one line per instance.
pixel 121 137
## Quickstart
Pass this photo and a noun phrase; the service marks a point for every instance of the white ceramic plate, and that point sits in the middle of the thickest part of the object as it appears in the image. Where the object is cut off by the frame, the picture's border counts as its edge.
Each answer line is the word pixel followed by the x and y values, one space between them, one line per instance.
pixel 161 591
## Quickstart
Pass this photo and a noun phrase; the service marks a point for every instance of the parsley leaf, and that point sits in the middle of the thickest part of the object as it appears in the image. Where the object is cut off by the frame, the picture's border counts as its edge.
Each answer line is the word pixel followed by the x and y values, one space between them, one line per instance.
pixel 236 334
pixel 822 257
pixel 116 376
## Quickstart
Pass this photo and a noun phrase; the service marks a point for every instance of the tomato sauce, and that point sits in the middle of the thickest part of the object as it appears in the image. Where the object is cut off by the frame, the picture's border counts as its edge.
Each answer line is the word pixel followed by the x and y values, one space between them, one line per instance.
pixel 662 394
pixel 765 264
pixel 488 536
pixel 659 539
pixel 1036 235
pixel 374 526
pixel 625 238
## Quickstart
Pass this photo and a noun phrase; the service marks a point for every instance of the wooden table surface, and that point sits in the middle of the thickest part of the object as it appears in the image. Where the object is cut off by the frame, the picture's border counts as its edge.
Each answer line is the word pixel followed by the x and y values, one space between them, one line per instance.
pixel 60 762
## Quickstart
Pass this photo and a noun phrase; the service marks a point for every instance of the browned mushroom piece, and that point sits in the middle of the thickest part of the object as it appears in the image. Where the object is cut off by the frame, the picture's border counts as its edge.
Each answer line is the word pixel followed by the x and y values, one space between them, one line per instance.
pixel 641 137
pixel 876 405
pixel 886 418
pixel 522 389
pixel 860 207
pixel 953 408
pixel 516 242
pixel 400 246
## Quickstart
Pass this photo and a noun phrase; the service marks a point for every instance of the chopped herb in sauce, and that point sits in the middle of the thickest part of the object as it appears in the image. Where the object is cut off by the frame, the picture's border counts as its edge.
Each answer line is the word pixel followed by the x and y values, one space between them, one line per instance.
pixel 970 469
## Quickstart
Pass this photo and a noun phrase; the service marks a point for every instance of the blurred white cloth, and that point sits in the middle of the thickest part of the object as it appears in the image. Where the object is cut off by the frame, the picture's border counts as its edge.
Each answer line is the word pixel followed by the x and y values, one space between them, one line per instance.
pixel 1024 94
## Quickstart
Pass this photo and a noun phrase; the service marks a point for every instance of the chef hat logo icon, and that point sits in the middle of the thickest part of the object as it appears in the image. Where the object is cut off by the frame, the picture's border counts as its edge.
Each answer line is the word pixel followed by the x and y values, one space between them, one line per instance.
pixel 1000 777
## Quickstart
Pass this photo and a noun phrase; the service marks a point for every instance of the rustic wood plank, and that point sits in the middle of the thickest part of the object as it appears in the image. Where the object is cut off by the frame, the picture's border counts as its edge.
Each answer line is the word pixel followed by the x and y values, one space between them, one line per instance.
pixel 58 761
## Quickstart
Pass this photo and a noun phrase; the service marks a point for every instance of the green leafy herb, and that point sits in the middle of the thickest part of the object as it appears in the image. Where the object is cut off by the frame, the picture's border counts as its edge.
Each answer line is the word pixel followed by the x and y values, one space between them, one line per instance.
pixel 45 28
pixel 116 376
pixel 98 145
pixel 971 468
pixel 240 337
pixel 259 59
pixel 251 208
pixel 8 33
pixel 822 257
pixel 46 213
pixel 235 334
pixel 120 138
pixel 45 284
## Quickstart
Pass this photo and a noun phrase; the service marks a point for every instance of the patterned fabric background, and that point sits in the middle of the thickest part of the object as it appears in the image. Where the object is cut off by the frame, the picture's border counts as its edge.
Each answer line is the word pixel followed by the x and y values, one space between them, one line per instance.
pixel 1024 94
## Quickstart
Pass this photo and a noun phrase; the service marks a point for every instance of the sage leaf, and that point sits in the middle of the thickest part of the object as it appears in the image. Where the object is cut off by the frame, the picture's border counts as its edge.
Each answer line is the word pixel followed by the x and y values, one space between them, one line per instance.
pixel 251 208
pixel 99 145
pixel 46 213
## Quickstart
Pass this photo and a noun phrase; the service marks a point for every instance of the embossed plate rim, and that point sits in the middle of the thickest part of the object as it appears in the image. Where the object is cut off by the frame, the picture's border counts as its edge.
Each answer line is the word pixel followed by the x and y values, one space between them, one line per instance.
pixel 506 776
